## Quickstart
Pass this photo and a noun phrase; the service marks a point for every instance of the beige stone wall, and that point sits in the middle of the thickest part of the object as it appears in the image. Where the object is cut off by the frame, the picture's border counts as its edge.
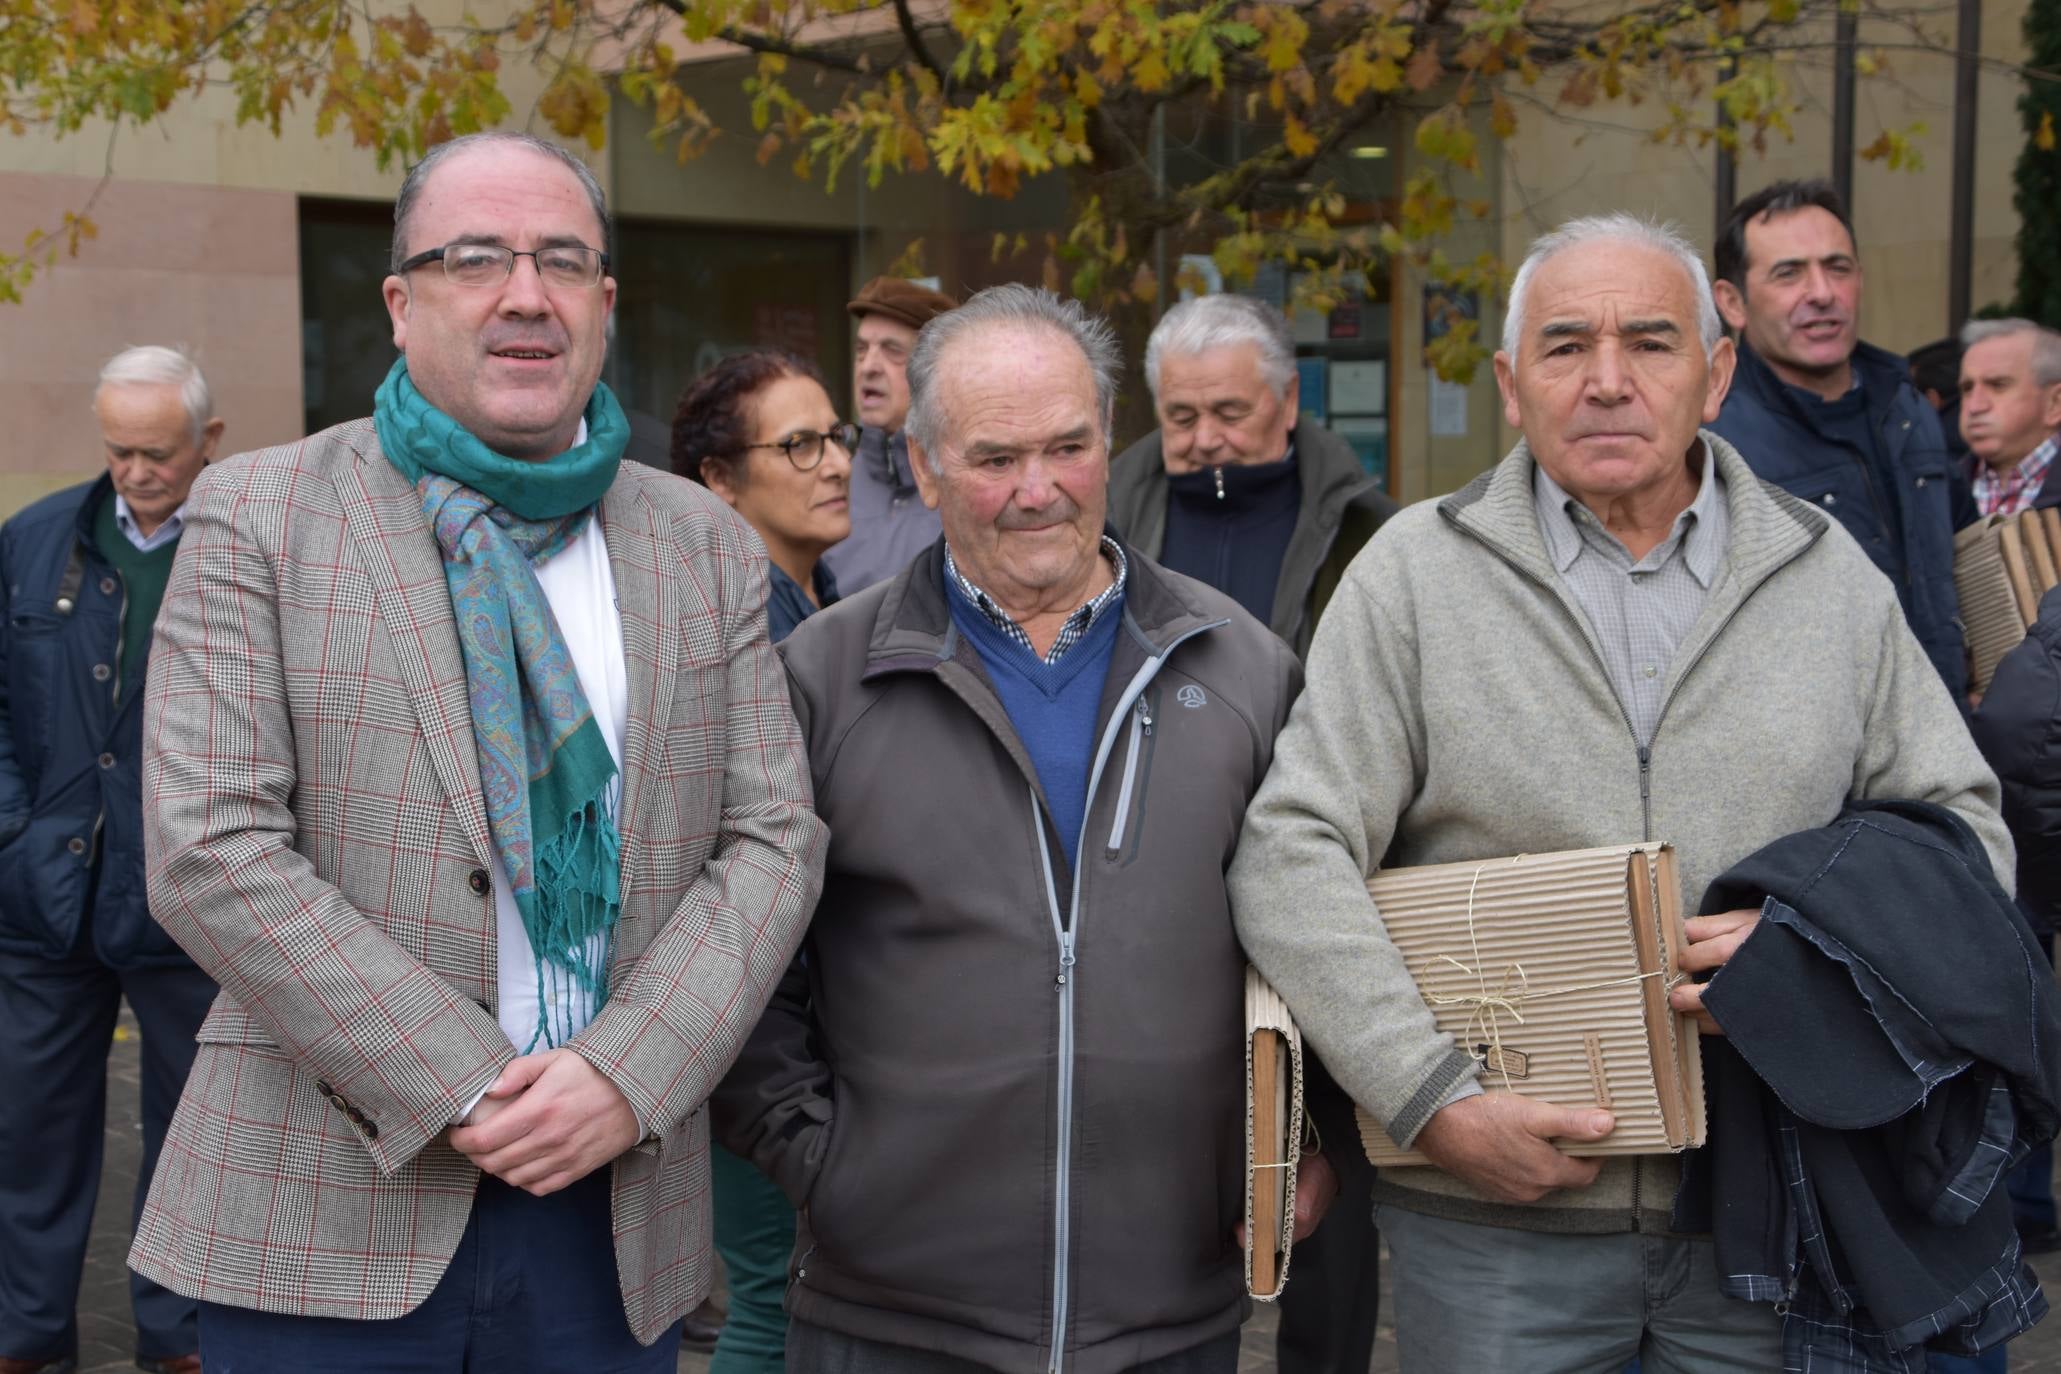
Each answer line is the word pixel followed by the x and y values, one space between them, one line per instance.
pixel 216 269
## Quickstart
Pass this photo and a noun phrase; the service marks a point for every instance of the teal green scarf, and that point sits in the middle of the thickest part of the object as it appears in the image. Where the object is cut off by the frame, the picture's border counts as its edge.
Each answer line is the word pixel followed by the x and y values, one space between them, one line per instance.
pixel 545 770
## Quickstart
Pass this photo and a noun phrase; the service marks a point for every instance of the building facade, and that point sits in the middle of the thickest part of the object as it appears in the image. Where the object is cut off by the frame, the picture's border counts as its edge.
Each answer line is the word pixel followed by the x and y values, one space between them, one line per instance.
pixel 265 254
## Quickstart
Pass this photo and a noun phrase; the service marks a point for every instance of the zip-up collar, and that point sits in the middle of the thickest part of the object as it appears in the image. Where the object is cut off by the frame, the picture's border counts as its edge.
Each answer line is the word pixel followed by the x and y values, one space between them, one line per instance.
pixel 913 632
pixel 1769 527
pixel 1881 375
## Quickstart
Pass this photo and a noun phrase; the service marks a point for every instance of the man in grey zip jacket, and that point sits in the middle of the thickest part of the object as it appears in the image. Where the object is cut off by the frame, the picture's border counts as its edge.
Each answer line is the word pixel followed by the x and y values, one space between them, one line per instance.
pixel 1004 1081
pixel 1618 633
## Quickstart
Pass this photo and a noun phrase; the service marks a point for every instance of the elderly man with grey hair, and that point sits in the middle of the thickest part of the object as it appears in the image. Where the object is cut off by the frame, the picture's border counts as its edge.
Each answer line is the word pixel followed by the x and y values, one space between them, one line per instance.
pixel 1236 487
pixel 82 573
pixel 1003 1080
pixel 2010 414
pixel 1618 633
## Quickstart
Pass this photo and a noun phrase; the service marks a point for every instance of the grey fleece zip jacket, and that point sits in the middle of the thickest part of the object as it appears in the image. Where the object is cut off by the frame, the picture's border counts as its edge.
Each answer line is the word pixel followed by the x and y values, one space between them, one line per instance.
pixel 1457 708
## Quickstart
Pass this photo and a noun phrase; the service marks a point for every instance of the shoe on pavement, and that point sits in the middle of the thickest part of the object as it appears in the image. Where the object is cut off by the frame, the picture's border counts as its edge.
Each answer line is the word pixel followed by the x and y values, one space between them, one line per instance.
pixel 173 1364
pixel 704 1325
pixel 55 1364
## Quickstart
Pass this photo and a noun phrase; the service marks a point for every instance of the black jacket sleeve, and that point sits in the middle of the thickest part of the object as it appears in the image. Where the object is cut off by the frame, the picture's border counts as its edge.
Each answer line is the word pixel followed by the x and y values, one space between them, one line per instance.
pixel 2018 728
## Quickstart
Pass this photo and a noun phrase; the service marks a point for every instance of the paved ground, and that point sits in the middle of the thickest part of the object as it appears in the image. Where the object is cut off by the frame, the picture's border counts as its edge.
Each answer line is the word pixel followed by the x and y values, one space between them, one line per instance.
pixel 105 1334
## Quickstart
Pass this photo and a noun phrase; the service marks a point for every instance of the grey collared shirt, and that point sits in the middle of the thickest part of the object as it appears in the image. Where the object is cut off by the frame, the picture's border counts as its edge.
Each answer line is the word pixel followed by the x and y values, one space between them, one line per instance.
pixel 1640 610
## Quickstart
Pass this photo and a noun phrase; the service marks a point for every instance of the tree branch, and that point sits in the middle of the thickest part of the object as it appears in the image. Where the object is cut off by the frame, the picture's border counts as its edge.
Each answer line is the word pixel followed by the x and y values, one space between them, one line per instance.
pixel 781 47
pixel 914 38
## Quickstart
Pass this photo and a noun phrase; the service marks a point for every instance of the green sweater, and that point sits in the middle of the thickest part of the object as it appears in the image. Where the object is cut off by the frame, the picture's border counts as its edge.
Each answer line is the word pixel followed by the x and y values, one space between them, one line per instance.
pixel 143 590
pixel 1456 710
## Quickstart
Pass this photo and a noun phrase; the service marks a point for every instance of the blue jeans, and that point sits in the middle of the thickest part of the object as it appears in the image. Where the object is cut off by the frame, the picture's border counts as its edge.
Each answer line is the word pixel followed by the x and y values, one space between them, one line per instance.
pixel 532 1286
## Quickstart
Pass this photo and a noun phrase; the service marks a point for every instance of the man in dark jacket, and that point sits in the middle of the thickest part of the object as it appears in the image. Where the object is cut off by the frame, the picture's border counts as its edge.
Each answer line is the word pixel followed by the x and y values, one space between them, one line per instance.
pixel 81 575
pixel 1235 487
pixel 1833 420
pixel 1003 1082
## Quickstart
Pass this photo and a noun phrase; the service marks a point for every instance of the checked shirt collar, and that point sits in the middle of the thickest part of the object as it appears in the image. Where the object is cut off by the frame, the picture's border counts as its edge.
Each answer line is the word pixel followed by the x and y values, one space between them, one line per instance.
pixel 1076 624
pixel 2011 492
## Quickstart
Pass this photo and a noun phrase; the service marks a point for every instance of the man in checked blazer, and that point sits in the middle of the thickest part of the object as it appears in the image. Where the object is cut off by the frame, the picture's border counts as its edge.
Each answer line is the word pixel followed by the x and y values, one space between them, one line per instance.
pixel 493 897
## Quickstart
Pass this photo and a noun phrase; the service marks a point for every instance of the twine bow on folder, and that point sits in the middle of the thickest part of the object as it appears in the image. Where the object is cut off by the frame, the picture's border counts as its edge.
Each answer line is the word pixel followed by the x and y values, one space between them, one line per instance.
pixel 1491 1004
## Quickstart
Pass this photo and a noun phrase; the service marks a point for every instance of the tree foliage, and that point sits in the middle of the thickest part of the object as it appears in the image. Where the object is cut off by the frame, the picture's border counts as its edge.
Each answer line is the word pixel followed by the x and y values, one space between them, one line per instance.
pixel 2038 173
pixel 988 94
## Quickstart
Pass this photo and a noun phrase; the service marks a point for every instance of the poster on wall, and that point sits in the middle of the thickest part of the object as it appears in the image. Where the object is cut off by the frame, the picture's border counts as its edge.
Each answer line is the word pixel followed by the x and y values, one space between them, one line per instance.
pixel 1368 435
pixel 1444 309
pixel 1360 388
pixel 1448 405
pixel 1312 395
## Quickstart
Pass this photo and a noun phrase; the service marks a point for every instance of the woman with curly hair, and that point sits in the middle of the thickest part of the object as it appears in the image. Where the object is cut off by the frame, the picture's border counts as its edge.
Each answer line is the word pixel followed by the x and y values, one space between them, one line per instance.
pixel 759 431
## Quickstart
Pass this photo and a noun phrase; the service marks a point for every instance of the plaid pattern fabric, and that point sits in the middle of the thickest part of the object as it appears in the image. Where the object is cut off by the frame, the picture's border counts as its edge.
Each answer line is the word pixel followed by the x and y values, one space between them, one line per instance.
pixel 317 842
pixel 2014 491
pixel 1825 1332
pixel 1076 624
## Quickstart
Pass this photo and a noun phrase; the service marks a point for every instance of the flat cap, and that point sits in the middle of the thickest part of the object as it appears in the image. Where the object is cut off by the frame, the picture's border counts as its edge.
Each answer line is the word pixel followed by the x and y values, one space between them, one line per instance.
pixel 900 299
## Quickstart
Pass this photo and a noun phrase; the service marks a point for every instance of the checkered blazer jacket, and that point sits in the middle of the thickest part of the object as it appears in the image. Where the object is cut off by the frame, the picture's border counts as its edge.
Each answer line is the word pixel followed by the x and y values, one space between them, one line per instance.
pixel 316 841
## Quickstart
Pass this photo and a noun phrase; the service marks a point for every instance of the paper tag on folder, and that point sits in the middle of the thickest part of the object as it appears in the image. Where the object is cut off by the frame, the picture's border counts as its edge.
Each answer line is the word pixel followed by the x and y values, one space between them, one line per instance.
pixel 1508 1062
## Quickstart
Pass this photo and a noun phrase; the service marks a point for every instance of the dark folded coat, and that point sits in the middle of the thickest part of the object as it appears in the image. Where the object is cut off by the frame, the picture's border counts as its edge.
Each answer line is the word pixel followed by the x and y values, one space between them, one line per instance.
pixel 1890 1051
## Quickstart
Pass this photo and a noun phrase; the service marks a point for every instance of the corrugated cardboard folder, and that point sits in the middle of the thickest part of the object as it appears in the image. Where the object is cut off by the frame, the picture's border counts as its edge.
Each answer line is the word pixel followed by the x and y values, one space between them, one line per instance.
pixel 1273 1136
pixel 2003 565
pixel 1553 971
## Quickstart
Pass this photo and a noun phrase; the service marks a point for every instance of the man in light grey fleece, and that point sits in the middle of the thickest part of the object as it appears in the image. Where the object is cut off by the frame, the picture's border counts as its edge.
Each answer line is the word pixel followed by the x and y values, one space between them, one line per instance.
pixel 1618 633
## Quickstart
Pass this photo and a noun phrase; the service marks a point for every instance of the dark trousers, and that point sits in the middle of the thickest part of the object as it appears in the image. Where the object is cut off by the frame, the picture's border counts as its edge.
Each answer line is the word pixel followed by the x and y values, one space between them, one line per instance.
pixel 532 1287
pixel 57 1019
pixel 816 1350
pixel 1330 1304
pixel 1333 1295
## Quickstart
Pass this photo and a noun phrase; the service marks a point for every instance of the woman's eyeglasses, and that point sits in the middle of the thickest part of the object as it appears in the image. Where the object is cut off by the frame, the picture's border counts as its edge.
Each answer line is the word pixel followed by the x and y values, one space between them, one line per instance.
pixel 804 447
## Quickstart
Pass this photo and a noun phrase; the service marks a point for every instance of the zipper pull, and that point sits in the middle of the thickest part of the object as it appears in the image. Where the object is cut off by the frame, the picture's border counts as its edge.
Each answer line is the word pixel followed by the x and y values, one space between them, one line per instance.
pixel 1145 715
pixel 1645 775
pixel 1218 473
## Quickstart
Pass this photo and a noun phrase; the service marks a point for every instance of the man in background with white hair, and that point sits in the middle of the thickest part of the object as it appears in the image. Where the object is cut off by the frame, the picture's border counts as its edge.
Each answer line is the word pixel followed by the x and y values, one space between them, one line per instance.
pixel 1236 487
pixel 1618 633
pixel 2010 414
pixel 81 575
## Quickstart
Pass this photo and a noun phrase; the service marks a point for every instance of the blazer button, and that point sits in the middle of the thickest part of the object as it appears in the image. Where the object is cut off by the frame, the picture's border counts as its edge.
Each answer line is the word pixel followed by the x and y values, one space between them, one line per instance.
pixel 107 760
pixel 101 672
pixel 370 1128
pixel 64 605
pixel 75 845
pixel 107 586
pixel 336 1101
pixel 479 882
pixel 323 1088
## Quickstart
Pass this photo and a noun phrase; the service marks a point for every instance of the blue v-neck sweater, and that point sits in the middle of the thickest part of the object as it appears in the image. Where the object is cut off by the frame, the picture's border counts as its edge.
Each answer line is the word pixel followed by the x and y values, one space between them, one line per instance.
pixel 1052 705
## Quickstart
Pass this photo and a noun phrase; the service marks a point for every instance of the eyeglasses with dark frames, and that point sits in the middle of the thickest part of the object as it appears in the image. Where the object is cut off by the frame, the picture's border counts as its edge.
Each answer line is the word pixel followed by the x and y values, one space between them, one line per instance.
pixel 490 264
pixel 804 447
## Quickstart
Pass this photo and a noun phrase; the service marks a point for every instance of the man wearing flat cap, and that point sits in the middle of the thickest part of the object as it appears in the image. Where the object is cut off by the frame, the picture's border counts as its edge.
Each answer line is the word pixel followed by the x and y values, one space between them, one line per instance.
pixel 890 523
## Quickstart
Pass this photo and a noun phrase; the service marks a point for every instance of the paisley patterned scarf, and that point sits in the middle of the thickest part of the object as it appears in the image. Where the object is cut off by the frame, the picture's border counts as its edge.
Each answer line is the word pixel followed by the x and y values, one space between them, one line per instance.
pixel 545 769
